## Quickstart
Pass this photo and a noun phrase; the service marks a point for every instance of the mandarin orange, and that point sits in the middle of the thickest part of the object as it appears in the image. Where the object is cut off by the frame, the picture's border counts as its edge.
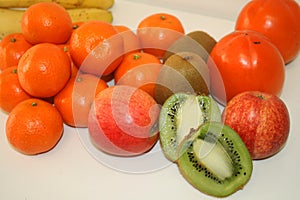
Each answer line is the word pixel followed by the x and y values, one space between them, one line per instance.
pixel 157 32
pixel 12 47
pixel 46 22
pixel 34 126
pixel 139 70
pixel 43 70
pixel 96 48
pixel 74 101
pixel 11 92
pixel 130 39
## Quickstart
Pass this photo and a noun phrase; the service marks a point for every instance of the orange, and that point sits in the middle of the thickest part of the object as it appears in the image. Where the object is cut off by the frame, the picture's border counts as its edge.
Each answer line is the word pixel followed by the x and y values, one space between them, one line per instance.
pixel 140 70
pixel 96 48
pixel 12 47
pixel 11 92
pixel 74 101
pixel 43 70
pixel 46 22
pixel 157 32
pixel 75 25
pixel 34 126
pixel 130 39
pixel 74 68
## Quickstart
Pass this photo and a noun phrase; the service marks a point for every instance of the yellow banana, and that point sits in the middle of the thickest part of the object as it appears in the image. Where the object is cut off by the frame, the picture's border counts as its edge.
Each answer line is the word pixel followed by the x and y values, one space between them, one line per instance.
pixel 103 4
pixel 87 14
pixel 10 20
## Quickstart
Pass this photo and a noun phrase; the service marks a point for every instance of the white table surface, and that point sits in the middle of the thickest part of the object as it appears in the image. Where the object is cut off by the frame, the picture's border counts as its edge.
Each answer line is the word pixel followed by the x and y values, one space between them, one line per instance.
pixel 70 171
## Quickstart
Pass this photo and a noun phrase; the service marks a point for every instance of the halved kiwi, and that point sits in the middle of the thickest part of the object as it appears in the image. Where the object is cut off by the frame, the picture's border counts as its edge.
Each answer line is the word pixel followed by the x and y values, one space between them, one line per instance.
pixel 215 160
pixel 181 113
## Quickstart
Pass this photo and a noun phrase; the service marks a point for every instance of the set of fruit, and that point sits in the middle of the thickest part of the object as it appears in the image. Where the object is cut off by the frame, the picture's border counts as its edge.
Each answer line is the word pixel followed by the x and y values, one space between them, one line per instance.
pixel 80 10
pixel 159 64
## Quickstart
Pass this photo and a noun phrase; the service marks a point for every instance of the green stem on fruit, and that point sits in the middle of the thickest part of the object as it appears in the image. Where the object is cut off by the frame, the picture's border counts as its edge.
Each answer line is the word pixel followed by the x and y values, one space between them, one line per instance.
pixel 14 71
pixel 66 49
pixel 163 17
pixel 34 104
pixel 13 39
pixel 136 56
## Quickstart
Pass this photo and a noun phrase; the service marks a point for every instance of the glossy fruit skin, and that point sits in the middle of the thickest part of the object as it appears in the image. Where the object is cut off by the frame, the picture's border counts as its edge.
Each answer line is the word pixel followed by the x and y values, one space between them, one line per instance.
pixel 276 19
pixel 123 121
pixel 43 70
pixel 140 70
pixel 96 48
pixel 130 39
pixel 11 92
pixel 66 49
pixel 34 126
pixel 12 47
pixel 262 120
pixel 46 22
pixel 75 99
pixel 157 32
pixel 245 61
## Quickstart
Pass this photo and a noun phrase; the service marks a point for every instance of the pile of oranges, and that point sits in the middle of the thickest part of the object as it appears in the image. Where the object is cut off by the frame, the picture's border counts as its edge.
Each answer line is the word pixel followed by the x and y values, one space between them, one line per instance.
pixel 52 70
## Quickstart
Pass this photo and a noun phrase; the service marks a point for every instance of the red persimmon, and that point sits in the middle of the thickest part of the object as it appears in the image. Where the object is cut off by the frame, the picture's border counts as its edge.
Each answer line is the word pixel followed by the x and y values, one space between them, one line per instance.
pixel 276 19
pixel 243 61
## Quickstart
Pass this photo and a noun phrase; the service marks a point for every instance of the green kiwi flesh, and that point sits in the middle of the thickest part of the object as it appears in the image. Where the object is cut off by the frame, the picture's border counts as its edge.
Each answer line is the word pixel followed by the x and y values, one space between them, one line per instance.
pixel 181 113
pixel 215 160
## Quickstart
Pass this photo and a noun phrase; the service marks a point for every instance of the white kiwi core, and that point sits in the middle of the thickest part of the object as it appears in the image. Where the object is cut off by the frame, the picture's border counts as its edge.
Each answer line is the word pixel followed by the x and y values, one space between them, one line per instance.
pixel 214 157
pixel 189 116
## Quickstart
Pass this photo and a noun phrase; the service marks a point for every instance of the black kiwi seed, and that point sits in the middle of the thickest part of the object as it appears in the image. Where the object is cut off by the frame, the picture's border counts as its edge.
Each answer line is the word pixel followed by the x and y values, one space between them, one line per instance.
pixel 227 150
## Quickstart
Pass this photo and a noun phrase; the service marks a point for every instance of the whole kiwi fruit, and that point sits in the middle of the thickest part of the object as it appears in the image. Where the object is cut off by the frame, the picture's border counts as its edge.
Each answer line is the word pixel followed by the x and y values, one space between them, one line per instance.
pixel 180 113
pixel 182 72
pixel 214 159
pixel 199 42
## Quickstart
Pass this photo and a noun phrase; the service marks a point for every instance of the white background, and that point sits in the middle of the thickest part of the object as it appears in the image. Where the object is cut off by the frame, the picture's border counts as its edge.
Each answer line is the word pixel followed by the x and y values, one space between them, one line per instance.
pixel 70 172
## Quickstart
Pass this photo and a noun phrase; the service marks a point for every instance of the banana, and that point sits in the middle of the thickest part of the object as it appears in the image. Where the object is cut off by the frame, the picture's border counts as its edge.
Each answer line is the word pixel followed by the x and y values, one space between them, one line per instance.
pixel 87 14
pixel 102 4
pixel 10 20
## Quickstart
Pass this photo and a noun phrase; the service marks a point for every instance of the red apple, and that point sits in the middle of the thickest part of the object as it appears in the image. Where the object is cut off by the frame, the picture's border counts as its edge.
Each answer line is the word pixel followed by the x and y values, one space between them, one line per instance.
pixel 123 121
pixel 262 121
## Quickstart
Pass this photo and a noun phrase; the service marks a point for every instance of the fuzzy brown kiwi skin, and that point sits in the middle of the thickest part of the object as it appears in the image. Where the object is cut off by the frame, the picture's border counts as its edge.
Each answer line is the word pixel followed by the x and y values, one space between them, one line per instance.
pixel 204 39
pixel 182 72
pixel 198 41
pixel 210 185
